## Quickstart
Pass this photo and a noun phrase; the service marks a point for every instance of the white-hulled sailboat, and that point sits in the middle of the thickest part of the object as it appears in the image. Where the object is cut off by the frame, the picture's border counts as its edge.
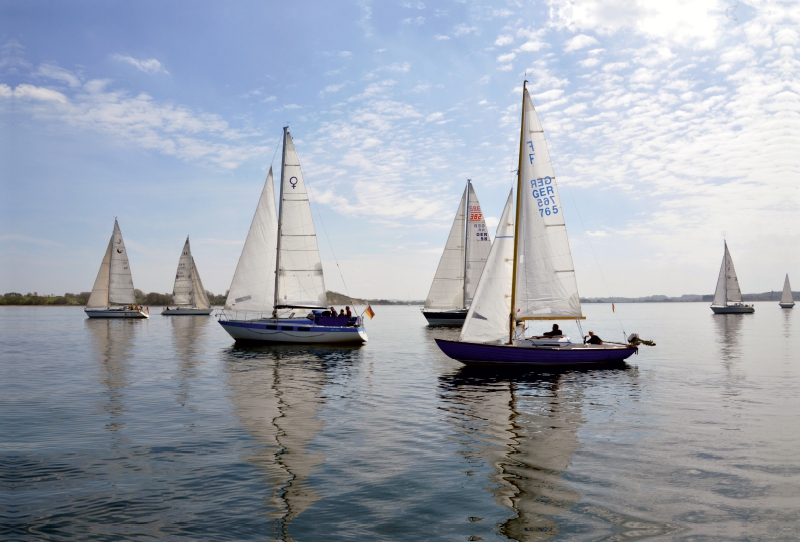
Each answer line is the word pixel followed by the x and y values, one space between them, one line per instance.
pixel 188 293
pixel 728 296
pixel 460 266
pixel 529 275
pixel 279 279
pixel 787 301
pixel 112 293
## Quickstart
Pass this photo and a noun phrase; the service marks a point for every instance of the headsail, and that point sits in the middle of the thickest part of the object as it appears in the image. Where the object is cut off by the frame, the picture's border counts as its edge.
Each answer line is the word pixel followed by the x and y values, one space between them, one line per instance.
pixel 183 289
pixel 300 281
pixel 120 282
pixel 727 284
pixel 477 245
pixel 786 296
pixel 253 284
pixel 200 297
pixel 99 297
pixel 447 290
pixel 487 319
pixel 545 283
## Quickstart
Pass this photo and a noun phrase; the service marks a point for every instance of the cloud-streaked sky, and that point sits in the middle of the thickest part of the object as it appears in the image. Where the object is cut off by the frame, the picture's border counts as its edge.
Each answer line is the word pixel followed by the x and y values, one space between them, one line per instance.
pixel 672 125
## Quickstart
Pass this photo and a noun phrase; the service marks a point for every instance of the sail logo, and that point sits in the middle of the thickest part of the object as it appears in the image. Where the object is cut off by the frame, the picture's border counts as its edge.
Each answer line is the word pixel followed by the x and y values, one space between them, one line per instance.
pixel 293 182
pixel 475 213
pixel 532 154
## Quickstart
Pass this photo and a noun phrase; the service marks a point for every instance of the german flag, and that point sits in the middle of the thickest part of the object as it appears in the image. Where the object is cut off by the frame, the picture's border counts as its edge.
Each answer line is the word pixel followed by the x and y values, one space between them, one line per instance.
pixel 370 312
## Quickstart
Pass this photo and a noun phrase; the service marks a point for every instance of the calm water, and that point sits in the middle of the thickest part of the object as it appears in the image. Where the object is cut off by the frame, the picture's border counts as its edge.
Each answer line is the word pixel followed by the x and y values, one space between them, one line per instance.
pixel 165 429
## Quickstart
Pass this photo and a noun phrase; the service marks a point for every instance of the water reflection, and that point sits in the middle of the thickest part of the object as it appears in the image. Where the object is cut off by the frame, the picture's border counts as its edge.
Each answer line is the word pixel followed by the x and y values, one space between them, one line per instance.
pixel 277 393
pixel 525 426
pixel 188 337
pixel 112 340
pixel 728 333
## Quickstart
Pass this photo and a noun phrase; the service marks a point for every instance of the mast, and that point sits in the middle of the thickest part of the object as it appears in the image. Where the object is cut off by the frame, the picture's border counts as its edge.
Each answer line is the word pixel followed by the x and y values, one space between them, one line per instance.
pixel 280 222
pixel 516 219
pixel 466 244
pixel 191 274
pixel 110 259
pixel 726 258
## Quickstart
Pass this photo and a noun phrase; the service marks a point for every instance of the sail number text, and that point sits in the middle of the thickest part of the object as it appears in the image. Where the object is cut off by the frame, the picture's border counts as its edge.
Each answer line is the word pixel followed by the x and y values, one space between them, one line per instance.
pixel 545 195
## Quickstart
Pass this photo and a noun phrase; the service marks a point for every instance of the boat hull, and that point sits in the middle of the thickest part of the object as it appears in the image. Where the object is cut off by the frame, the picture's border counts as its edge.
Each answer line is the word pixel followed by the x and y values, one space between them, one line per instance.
pixel 186 311
pixel 445 318
pixel 733 309
pixel 112 313
pixel 292 332
pixel 786 305
pixel 535 356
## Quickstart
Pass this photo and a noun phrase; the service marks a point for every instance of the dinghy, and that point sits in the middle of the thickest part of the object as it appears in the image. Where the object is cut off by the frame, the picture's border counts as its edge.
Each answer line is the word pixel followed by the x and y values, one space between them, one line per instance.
pixel 529 276
pixel 728 296
pixel 188 292
pixel 461 264
pixel 112 293
pixel 787 301
pixel 278 290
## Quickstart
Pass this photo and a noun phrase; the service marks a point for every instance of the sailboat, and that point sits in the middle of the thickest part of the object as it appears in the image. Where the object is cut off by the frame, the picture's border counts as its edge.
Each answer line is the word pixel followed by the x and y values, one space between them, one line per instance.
pixel 728 296
pixel 279 279
pixel 461 264
pixel 787 301
pixel 112 293
pixel 188 293
pixel 529 275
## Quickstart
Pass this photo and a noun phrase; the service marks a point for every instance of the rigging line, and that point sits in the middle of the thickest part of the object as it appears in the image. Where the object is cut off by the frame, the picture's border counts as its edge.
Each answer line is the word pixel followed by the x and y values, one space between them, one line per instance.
pixel 327 237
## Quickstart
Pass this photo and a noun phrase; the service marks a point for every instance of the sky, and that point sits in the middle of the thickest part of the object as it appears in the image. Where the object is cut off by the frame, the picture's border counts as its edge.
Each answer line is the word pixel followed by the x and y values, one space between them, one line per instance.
pixel 672 126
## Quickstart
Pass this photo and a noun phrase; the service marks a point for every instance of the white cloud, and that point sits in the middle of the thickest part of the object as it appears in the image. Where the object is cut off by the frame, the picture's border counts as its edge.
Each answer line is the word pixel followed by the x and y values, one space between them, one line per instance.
pixel 442 37
pixel 31 92
pixel 150 66
pixel 414 20
pixel 580 41
pixel 589 62
pixel 506 57
pixel 462 30
pixel 54 72
pixel 504 40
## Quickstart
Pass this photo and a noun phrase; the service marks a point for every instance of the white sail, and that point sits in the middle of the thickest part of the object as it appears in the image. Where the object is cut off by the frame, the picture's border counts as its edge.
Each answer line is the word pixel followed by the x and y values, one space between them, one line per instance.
pixel 447 290
pixel 300 279
pixel 545 284
pixel 99 297
pixel 786 296
pixel 488 316
pixel 200 296
pixel 478 245
pixel 253 284
pixel 120 282
pixel 183 289
pixel 727 284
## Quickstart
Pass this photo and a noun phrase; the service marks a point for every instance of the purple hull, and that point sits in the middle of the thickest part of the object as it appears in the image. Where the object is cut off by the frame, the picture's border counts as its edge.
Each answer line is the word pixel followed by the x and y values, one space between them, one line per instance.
pixel 576 356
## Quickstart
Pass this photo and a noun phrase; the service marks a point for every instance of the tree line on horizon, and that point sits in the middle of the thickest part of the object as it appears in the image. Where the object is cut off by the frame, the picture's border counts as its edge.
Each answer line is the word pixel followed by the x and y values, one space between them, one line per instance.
pixel 152 298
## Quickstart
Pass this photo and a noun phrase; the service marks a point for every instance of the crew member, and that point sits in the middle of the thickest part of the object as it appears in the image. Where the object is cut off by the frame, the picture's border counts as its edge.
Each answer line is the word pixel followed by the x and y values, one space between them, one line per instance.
pixel 555 333
pixel 593 339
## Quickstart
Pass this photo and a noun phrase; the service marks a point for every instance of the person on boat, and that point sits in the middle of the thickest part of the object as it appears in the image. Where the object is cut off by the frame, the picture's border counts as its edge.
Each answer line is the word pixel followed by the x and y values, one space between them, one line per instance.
pixel 593 339
pixel 333 312
pixel 342 314
pixel 347 310
pixel 555 333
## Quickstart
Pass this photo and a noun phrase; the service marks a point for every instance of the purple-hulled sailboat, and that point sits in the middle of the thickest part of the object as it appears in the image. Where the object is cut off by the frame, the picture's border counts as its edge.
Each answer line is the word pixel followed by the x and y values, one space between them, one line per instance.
pixel 529 276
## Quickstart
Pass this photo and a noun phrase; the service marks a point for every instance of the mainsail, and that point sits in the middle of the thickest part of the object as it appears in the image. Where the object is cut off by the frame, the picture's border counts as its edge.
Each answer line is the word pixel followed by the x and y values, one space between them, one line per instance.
pixel 487 319
pixel 253 284
pixel 300 281
pixel 182 290
pixel 113 285
pixel 727 284
pixel 545 283
pixel 786 296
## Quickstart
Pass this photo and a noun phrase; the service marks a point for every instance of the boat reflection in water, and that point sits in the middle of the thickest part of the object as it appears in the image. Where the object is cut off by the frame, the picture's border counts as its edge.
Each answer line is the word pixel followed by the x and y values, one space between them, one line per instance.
pixel 112 341
pixel 277 393
pixel 188 340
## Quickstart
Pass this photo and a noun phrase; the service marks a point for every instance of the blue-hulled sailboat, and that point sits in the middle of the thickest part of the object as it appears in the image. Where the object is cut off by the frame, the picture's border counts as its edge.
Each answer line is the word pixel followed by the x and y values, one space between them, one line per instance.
pixel 278 290
pixel 529 275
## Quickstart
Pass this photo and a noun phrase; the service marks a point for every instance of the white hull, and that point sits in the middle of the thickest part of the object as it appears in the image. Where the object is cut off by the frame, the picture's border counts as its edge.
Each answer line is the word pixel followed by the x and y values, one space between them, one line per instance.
pixel 733 309
pixel 292 331
pixel 186 311
pixel 115 313
pixel 786 305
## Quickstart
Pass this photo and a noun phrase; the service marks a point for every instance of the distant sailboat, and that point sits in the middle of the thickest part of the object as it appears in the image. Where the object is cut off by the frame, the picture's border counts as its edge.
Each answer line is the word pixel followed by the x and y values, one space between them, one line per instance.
pixel 460 266
pixel 279 279
pixel 528 275
pixel 728 296
pixel 188 293
pixel 112 293
pixel 787 301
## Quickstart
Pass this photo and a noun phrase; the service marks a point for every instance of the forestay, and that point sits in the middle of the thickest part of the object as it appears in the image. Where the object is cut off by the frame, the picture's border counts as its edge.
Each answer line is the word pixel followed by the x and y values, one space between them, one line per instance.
pixel 253 284
pixel 786 296
pixel 200 296
pixel 300 279
pixel 99 297
pixel 727 284
pixel 487 319
pixel 182 290
pixel 477 245
pixel 447 290
pixel 120 282
pixel 545 284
